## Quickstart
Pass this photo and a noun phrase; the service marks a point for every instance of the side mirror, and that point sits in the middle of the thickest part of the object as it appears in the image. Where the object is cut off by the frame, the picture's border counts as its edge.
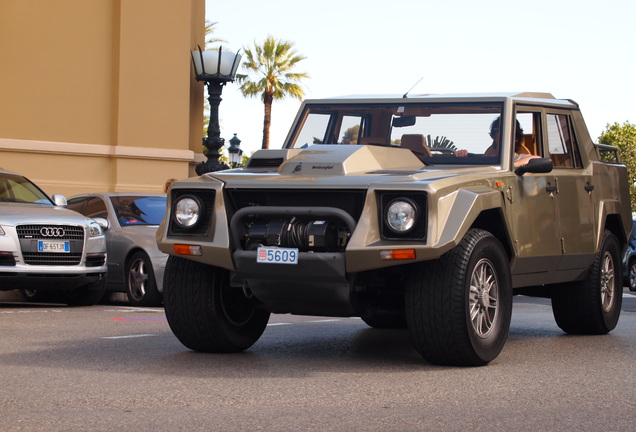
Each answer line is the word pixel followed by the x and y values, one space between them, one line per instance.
pixel 59 200
pixel 535 165
pixel 103 223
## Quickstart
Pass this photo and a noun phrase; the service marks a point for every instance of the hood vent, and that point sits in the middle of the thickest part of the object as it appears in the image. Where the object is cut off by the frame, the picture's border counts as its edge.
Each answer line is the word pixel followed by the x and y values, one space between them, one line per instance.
pixel 265 163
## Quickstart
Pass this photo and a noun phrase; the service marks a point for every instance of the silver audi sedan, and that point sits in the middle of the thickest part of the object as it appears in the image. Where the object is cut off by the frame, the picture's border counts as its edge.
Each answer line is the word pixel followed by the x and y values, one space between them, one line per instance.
pixel 135 264
pixel 47 251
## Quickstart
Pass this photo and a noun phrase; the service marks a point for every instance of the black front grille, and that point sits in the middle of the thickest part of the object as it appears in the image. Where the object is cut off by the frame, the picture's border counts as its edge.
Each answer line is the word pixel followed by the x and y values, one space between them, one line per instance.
pixel 52 258
pixel 35 232
pixel 351 201
pixel 30 234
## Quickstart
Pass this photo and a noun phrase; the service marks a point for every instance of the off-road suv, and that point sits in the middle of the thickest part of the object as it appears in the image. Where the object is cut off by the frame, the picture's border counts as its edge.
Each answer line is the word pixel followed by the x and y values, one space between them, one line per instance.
pixel 426 212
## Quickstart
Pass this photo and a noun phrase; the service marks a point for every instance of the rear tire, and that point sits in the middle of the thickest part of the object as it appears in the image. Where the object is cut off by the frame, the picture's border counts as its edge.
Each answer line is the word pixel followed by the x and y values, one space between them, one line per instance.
pixel 459 307
pixel 632 275
pixel 207 314
pixel 592 306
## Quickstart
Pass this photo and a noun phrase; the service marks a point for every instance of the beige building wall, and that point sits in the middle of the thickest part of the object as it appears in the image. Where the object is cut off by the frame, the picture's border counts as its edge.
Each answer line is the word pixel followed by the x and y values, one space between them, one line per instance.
pixel 100 95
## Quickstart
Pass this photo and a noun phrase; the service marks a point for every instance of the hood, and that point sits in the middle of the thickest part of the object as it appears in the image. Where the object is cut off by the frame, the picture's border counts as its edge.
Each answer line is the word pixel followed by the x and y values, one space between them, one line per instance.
pixel 330 160
pixel 338 166
pixel 27 213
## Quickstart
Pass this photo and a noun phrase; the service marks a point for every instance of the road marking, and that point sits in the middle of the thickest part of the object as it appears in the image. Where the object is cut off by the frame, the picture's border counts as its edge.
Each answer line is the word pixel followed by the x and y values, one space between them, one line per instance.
pixel 277 324
pixel 134 309
pixel 129 336
pixel 32 311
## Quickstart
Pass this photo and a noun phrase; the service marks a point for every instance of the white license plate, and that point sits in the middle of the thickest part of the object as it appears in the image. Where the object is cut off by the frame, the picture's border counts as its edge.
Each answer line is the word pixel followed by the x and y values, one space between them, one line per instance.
pixel 54 246
pixel 274 255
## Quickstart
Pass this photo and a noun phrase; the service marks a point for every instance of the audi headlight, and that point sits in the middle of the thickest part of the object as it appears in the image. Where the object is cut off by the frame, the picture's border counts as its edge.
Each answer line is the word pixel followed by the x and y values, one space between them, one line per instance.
pixel 187 211
pixel 401 215
pixel 94 229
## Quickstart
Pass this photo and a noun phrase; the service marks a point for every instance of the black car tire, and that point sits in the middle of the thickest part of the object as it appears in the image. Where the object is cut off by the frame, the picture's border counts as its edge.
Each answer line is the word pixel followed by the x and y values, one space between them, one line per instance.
pixel 458 308
pixel 205 312
pixel 593 305
pixel 632 275
pixel 86 295
pixel 141 287
pixel 36 296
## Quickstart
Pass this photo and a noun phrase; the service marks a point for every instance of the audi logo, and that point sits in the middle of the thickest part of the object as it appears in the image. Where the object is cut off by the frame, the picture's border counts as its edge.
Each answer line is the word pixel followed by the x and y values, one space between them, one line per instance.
pixel 52 232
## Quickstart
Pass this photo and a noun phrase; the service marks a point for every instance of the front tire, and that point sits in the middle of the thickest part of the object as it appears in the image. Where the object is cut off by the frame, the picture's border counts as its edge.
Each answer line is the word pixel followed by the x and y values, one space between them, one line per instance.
pixel 459 307
pixel 207 314
pixel 88 295
pixel 141 287
pixel 592 306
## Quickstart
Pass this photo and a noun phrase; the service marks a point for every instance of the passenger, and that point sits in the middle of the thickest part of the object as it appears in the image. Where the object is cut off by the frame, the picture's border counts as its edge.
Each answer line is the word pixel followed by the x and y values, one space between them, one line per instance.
pixel 522 154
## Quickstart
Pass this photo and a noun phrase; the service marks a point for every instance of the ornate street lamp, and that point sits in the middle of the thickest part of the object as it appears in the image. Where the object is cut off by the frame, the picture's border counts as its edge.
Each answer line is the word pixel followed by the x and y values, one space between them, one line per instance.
pixel 235 152
pixel 215 68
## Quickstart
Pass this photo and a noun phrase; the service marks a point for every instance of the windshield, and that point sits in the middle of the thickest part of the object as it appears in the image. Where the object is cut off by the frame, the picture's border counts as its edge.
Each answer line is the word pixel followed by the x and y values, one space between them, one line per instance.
pixel 132 210
pixel 15 188
pixel 437 133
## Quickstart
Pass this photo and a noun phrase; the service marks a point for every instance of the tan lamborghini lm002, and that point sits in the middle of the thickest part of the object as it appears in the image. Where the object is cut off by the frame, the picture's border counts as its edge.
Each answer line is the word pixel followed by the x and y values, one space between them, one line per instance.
pixel 426 212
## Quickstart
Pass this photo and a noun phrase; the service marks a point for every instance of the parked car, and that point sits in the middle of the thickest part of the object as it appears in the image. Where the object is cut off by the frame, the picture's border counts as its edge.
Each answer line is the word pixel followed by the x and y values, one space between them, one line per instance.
pixel 629 261
pixel 427 212
pixel 135 264
pixel 50 252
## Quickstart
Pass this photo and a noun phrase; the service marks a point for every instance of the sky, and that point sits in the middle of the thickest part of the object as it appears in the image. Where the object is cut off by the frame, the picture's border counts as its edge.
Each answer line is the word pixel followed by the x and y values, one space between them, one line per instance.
pixel 575 49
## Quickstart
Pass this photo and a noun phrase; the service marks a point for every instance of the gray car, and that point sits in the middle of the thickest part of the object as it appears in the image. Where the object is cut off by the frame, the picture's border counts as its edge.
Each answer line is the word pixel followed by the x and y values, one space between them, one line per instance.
pixel 47 251
pixel 135 264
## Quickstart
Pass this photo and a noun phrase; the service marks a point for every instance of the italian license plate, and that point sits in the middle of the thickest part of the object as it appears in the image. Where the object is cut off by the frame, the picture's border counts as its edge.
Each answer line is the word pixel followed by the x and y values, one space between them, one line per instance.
pixel 274 255
pixel 54 246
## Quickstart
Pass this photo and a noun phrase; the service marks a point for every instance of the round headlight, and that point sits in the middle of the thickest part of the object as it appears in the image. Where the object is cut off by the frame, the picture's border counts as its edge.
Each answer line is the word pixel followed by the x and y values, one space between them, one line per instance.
pixel 187 211
pixel 401 215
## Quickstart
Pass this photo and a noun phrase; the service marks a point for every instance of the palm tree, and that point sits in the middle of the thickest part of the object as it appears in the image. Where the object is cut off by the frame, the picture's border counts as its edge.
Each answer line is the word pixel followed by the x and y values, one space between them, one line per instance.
pixel 209 37
pixel 271 63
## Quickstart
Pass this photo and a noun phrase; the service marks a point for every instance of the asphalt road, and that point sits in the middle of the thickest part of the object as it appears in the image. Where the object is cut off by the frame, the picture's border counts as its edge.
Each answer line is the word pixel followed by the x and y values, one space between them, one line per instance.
pixel 119 368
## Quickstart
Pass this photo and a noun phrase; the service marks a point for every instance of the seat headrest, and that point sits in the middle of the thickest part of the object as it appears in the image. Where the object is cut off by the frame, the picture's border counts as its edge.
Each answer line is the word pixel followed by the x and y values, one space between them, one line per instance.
pixel 416 143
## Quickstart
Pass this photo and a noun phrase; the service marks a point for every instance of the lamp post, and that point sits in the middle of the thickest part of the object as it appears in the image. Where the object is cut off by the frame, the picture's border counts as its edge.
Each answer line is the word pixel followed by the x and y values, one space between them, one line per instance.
pixel 215 68
pixel 235 152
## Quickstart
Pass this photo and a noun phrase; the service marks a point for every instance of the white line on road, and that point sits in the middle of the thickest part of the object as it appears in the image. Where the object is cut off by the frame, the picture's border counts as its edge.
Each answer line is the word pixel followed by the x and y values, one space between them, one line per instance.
pixel 129 336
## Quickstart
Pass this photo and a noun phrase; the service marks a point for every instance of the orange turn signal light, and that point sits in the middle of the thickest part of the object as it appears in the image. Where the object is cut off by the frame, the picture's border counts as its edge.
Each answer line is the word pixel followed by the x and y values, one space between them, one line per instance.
pixel 187 250
pixel 397 254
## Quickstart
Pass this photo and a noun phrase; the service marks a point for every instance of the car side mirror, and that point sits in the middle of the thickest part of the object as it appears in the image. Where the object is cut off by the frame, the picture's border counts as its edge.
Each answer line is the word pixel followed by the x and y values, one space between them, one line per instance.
pixel 103 223
pixel 536 166
pixel 59 200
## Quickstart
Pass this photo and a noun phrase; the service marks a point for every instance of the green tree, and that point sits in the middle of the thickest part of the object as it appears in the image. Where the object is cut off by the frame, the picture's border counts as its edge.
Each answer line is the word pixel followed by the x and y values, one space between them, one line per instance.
pixel 350 136
pixel 624 137
pixel 271 63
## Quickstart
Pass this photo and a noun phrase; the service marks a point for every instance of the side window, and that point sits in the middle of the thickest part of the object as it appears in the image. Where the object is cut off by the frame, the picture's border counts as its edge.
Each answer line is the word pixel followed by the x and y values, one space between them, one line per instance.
pixel 77 205
pixel 562 145
pixel 95 207
pixel 350 128
pixel 529 141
